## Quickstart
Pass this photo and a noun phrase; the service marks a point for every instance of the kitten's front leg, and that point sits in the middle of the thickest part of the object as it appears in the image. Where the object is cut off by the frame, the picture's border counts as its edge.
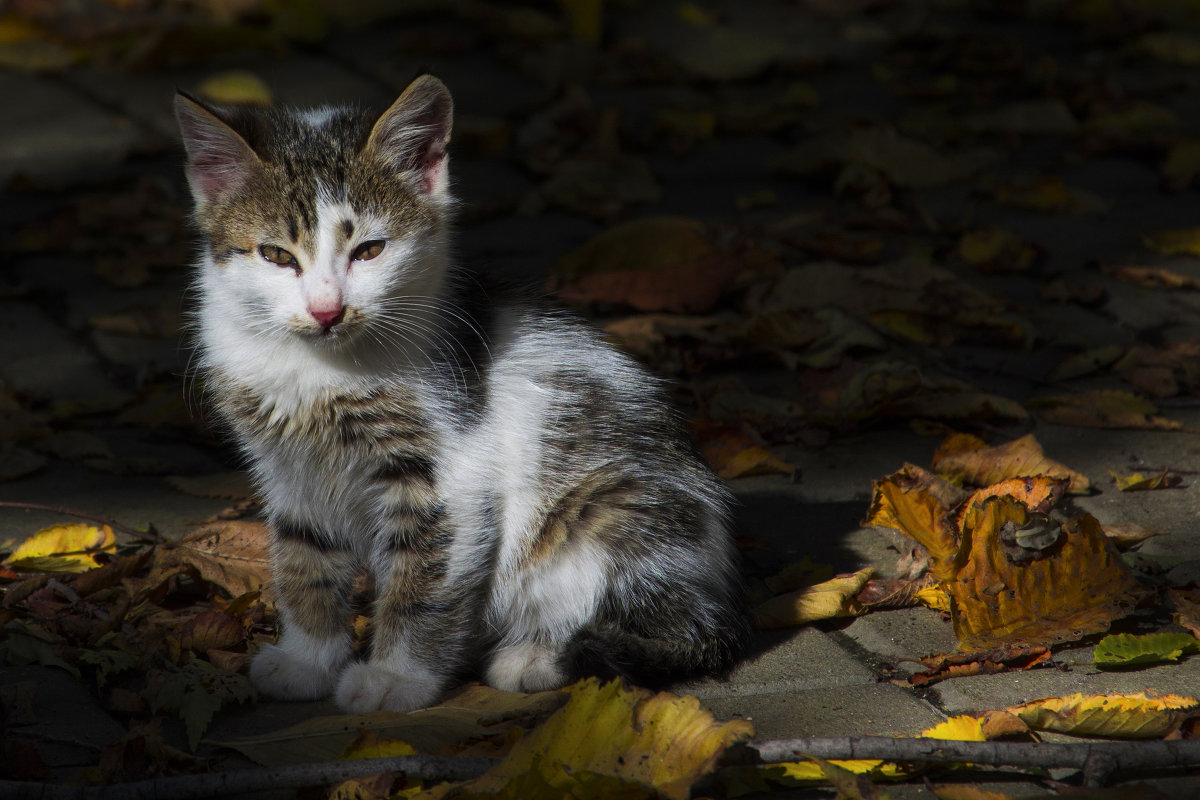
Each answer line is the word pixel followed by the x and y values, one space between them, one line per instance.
pixel 420 627
pixel 312 578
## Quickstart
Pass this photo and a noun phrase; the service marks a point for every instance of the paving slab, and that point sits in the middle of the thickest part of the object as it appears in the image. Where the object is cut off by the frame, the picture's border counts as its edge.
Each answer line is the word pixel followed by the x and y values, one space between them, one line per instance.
pixel 799 659
pixel 51 130
pixel 877 709
pixel 900 634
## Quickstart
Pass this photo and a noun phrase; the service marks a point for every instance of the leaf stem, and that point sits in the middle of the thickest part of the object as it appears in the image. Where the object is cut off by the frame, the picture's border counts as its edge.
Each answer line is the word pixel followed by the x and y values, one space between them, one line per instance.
pixel 151 535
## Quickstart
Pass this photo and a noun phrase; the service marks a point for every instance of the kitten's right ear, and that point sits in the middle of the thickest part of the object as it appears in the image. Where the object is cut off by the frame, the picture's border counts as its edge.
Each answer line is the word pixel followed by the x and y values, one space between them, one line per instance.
pixel 219 159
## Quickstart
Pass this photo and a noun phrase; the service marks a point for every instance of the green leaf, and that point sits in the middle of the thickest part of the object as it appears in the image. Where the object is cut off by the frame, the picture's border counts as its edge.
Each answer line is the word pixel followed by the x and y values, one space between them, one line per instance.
pixel 20 648
pixel 196 692
pixel 109 662
pixel 1125 651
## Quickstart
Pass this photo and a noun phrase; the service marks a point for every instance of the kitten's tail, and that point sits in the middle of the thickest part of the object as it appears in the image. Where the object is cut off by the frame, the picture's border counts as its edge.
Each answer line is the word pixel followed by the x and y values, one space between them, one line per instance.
pixel 608 651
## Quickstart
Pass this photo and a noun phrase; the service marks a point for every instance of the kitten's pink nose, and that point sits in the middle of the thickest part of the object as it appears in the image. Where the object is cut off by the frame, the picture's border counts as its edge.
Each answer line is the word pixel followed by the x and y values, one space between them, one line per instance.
pixel 327 316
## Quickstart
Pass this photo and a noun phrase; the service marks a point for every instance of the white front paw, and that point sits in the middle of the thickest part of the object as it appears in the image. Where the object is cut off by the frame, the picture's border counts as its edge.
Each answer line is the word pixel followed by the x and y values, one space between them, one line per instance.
pixel 366 687
pixel 525 668
pixel 279 673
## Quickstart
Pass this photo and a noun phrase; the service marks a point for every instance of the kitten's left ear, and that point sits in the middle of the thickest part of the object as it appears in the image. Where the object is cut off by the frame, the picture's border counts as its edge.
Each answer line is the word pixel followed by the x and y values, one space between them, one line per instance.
pixel 414 132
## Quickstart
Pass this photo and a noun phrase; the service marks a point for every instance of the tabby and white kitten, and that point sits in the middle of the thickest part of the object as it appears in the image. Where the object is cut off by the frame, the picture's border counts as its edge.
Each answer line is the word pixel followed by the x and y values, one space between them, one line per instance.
pixel 527 502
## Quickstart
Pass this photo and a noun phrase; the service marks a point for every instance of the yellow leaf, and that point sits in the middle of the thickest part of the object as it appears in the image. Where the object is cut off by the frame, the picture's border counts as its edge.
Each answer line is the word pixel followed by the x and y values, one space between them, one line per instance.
pixel 965 728
pixel 965 792
pixel 1025 580
pixel 934 597
pixel 916 502
pixel 235 87
pixel 369 744
pixel 652 740
pixel 832 598
pixel 984 466
pixel 63 548
pixel 1126 716
pixel 1138 482
pixel 1174 242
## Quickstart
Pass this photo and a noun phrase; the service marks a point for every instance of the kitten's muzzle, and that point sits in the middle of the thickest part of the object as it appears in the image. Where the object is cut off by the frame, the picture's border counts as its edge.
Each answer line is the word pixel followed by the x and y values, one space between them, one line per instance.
pixel 328 316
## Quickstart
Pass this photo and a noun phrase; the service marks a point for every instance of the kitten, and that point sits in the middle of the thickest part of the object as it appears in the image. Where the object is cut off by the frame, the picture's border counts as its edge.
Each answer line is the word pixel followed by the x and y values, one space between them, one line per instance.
pixel 526 500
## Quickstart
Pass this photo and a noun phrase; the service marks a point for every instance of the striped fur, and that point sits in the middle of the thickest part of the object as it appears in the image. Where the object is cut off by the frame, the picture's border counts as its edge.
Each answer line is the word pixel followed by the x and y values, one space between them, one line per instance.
pixel 527 502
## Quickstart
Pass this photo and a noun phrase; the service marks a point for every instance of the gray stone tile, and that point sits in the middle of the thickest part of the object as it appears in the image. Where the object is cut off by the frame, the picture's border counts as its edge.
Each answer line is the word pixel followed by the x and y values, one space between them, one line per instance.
pixel 874 709
pixel 49 130
pixel 905 633
pixel 986 692
pixel 803 658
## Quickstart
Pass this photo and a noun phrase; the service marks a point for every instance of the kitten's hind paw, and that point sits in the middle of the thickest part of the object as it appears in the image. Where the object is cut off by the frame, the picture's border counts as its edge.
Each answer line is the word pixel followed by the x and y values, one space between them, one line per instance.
pixel 367 687
pixel 280 674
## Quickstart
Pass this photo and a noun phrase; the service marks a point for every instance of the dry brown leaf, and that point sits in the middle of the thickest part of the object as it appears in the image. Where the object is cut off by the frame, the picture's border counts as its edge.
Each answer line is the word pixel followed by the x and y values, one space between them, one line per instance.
pixel 1153 277
pixel 1125 535
pixel 732 454
pixel 1186 603
pixel 955 665
pixel 999 724
pixel 970 460
pixel 659 263
pixel 1064 584
pixel 917 502
pixel 231 554
pixel 211 630
pixel 1103 408
pixel 1125 716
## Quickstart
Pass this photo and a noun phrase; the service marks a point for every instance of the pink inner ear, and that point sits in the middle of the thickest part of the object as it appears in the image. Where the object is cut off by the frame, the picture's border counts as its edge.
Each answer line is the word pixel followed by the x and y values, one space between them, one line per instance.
pixel 433 173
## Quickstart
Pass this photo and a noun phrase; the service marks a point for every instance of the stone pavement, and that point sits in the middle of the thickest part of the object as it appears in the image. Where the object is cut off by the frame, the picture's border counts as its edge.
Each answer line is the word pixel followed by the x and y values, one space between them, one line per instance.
pixel 120 432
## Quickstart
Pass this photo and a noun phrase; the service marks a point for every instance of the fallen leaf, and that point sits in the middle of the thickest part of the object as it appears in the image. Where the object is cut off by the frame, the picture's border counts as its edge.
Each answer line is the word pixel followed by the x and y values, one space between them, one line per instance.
pixel 1153 277
pixel 733 454
pixel 970 460
pixel 1137 482
pixel 1174 242
pixel 1087 362
pixel 231 554
pixel 996 250
pixel 1126 535
pixel 1103 408
pixel 991 662
pixel 917 502
pixel 1186 603
pixel 1125 651
pixel 211 630
pixel 1077 588
pixel 797 575
pixel 1118 716
pixel 63 548
pixel 195 692
pixel 966 792
pixel 963 728
pixel 652 264
pixel 1050 195
pixel 662 742
pixel 831 598
pixel 369 744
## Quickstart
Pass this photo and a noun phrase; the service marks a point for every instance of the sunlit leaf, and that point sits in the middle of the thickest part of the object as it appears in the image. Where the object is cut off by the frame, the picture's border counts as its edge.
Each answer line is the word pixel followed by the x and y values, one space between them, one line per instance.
pixel 659 741
pixel 971 460
pixel 964 728
pixel 917 502
pixel 1125 650
pixel 63 548
pixel 935 597
pixel 733 454
pixel 832 598
pixel 991 662
pixel 1007 594
pixel 1124 716
pixel 232 555
pixel 1155 277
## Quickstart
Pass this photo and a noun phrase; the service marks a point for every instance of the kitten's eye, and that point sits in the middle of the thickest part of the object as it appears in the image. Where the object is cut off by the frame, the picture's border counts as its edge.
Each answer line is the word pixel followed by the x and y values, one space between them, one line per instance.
pixel 368 250
pixel 277 255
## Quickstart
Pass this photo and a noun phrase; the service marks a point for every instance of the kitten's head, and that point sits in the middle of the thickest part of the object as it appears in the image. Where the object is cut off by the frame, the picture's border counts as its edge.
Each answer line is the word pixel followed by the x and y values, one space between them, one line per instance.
pixel 320 224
